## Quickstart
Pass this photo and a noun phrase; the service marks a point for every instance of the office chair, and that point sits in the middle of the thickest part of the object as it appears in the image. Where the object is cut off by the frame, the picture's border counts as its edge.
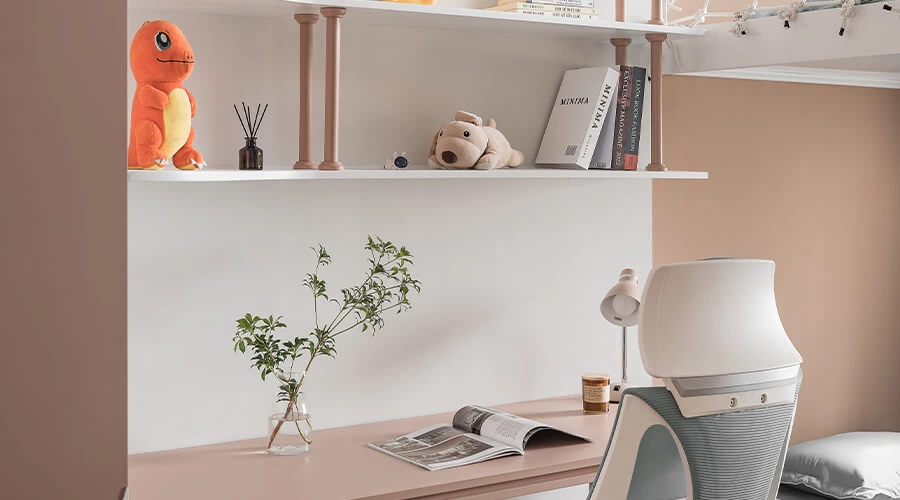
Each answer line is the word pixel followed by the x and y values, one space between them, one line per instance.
pixel 720 427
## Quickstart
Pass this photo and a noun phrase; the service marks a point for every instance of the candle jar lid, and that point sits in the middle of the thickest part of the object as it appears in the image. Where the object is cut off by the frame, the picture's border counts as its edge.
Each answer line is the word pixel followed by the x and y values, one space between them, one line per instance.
pixel 596 377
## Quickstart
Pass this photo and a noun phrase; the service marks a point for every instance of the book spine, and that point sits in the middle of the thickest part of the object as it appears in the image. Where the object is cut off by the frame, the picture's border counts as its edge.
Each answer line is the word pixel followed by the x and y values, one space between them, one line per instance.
pixel 604 103
pixel 620 131
pixel 570 3
pixel 544 8
pixel 566 15
pixel 635 112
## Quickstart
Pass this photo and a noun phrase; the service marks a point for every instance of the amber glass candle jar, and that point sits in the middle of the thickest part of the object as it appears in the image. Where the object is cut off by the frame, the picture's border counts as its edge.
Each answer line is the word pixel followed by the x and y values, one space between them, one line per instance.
pixel 595 392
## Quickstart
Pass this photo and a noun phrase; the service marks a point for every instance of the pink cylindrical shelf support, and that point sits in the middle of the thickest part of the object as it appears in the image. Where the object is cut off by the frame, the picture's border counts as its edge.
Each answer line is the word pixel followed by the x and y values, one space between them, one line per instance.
pixel 656 135
pixel 333 17
pixel 306 22
pixel 656 12
pixel 620 10
pixel 621 45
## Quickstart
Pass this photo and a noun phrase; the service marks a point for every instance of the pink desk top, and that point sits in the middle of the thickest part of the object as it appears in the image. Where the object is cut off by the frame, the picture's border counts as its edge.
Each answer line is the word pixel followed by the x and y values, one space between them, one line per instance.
pixel 340 466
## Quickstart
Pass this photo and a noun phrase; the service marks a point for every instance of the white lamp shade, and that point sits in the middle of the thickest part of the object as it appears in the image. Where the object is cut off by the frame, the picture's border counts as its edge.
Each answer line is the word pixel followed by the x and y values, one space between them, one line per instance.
pixel 622 302
pixel 712 317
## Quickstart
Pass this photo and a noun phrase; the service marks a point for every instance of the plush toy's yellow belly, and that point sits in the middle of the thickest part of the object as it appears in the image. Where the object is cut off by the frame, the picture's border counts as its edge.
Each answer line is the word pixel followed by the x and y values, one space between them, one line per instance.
pixel 177 122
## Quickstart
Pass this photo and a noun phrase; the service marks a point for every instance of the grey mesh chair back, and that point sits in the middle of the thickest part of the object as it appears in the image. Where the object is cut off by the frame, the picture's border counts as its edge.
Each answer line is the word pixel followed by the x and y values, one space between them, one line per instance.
pixel 666 456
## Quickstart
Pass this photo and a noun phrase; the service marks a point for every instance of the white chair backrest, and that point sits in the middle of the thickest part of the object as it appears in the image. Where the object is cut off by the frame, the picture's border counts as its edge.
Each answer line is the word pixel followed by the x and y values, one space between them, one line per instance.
pixel 710 330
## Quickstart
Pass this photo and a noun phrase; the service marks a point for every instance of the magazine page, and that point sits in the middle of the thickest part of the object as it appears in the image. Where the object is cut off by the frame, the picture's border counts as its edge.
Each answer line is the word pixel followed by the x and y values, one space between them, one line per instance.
pixel 503 427
pixel 441 447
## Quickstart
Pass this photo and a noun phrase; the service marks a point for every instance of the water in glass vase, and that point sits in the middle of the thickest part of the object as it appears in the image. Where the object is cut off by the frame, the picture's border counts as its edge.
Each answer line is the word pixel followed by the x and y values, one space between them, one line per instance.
pixel 290 431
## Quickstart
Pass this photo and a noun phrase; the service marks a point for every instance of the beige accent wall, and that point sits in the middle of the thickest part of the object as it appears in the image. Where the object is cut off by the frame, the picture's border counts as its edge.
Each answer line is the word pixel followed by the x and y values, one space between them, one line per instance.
pixel 808 176
pixel 63 281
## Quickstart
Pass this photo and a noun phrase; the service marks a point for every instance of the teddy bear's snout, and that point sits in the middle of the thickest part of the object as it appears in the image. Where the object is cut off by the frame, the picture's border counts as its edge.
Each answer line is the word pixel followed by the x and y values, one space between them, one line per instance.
pixel 449 157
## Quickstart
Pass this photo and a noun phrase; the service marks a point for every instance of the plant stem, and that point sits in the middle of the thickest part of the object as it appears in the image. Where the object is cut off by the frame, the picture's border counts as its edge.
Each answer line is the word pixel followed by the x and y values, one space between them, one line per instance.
pixel 302 434
pixel 336 322
pixel 316 298
pixel 361 321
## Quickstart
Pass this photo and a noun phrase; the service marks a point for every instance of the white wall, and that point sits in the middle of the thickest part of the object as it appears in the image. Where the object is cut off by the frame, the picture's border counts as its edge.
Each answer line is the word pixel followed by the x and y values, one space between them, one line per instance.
pixel 512 271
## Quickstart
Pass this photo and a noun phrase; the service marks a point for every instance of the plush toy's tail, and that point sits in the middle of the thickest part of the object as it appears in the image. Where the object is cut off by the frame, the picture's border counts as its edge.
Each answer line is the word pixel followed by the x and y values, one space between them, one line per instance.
pixel 516 158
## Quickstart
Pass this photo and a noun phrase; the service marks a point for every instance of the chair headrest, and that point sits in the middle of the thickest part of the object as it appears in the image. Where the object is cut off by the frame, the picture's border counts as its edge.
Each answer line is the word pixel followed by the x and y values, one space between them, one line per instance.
pixel 712 317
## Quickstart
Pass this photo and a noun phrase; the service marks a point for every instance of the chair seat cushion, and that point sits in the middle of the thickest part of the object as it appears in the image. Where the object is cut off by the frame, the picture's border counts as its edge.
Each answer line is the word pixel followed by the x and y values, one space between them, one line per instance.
pixel 855 465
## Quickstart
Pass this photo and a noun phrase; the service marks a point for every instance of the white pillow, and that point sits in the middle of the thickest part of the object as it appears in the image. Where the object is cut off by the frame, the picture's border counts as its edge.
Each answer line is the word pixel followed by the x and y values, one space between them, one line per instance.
pixel 855 465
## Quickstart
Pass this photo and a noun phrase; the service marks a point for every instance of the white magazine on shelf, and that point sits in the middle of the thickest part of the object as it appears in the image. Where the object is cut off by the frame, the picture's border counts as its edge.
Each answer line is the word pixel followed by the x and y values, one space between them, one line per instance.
pixel 477 434
pixel 582 107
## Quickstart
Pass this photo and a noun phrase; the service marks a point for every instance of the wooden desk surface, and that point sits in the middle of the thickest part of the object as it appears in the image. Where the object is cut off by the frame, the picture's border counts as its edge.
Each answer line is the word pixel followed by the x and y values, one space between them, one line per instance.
pixel 341 467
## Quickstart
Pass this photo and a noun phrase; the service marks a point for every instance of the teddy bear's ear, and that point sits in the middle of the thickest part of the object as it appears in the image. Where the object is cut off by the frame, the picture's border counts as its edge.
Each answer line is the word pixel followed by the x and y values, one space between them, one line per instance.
pixel 463 116
pixel 433 144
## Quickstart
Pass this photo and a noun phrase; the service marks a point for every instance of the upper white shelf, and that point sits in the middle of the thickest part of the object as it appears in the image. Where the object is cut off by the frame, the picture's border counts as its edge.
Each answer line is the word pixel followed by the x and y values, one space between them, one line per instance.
pixel 377 173
pixel 464 19
pixel 429 17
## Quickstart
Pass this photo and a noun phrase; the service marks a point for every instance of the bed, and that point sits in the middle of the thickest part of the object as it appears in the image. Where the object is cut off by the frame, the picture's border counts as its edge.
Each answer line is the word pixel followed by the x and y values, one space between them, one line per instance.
pixel 788 493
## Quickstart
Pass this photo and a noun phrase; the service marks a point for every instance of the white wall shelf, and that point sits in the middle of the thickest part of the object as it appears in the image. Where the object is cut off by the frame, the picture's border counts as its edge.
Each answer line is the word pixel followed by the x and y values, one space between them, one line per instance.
pixel 284 174
pixel 431 17
pixel 481 20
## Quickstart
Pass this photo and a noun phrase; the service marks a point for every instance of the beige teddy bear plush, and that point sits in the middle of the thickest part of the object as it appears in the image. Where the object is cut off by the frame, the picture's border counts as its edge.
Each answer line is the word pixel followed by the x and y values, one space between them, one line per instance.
pixel 467 143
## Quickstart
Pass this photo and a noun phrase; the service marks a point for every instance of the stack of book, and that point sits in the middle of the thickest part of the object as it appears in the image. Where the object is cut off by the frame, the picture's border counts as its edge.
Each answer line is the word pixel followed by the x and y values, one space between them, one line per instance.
pixel 570 9
pixel 596 119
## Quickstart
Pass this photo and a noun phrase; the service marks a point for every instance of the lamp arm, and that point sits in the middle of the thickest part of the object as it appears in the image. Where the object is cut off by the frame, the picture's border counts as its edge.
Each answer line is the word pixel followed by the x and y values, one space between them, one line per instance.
pixel 625 355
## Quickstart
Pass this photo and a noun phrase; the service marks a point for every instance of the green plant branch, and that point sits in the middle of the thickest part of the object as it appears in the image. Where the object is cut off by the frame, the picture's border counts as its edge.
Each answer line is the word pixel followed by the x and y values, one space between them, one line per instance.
pixel 385 287
pixel 363 320
pixel 336 322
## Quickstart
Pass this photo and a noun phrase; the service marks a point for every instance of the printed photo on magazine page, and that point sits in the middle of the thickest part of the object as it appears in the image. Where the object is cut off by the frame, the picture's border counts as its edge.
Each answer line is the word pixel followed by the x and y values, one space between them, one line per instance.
pixel 477 434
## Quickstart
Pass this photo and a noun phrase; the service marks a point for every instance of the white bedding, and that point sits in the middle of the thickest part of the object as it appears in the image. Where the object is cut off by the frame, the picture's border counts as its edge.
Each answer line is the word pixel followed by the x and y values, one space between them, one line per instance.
pixel 786 493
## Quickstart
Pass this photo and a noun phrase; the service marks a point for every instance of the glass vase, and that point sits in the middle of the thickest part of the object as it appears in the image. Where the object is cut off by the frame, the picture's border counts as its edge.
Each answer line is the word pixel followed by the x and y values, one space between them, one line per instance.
pixel 290 430
pixel 250 157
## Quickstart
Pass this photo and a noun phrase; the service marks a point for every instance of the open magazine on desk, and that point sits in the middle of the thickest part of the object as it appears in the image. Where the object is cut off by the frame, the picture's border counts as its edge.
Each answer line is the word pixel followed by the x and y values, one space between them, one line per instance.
pixel 477 434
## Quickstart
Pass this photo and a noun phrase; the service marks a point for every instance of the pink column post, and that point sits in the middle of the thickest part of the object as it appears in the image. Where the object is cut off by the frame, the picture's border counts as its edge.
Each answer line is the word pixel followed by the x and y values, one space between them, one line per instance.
pixel 333 17
pixel 656 135
pixel 306 22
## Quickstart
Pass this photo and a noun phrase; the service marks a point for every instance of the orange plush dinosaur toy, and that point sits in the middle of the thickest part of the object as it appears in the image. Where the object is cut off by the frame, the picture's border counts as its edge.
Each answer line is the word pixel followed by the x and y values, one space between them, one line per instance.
pixel 161 59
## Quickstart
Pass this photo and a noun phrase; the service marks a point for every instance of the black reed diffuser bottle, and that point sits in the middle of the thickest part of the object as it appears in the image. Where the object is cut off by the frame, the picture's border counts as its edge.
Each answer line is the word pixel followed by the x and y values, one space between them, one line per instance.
pixel 250 157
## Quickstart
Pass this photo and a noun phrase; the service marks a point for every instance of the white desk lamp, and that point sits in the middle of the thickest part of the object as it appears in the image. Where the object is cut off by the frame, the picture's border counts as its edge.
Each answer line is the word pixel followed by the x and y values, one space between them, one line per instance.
pixel 620 307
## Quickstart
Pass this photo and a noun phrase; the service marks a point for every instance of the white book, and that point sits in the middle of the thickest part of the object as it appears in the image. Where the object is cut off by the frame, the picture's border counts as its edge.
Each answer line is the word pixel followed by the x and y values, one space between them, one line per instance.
pixel 581 109
pixel 574 3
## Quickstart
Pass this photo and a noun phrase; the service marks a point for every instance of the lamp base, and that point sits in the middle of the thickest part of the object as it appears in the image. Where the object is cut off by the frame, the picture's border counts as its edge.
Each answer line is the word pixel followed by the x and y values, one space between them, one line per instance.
pixel 616 390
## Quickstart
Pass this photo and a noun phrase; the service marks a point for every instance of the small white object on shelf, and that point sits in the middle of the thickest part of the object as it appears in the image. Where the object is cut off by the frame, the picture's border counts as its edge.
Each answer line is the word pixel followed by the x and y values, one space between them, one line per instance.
pixel 398 160
pixel 377 172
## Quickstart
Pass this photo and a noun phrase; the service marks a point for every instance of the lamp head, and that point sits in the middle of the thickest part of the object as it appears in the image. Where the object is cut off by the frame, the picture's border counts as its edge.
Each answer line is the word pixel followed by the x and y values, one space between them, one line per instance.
pixel 622 302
